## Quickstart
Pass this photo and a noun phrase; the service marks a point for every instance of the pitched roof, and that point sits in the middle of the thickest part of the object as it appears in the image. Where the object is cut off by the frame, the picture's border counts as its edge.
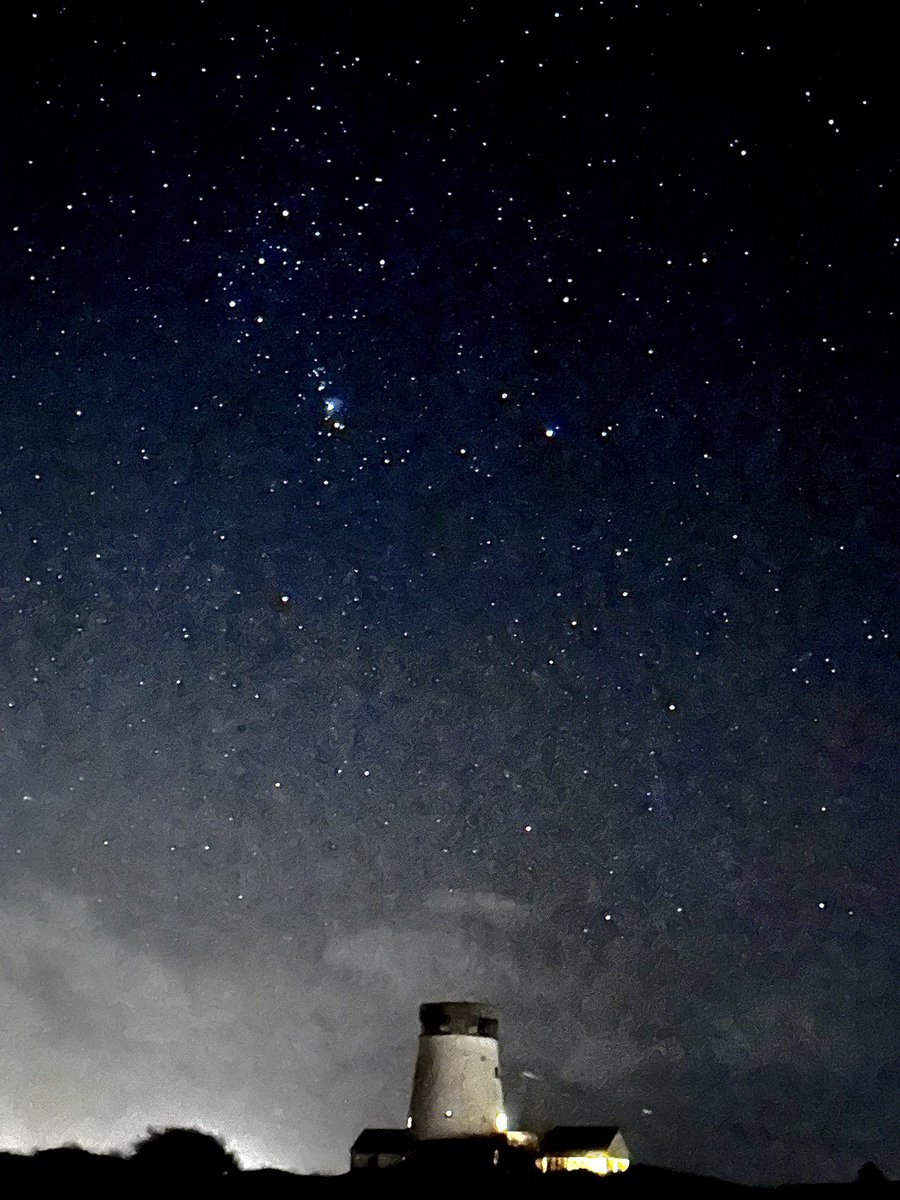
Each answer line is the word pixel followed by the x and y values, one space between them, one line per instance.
pixel 382 1141
pixel 574 1139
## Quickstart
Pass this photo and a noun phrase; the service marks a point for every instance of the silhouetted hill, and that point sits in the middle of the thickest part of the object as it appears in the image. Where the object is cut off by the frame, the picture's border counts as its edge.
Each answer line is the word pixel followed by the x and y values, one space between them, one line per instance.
pixel 182 1160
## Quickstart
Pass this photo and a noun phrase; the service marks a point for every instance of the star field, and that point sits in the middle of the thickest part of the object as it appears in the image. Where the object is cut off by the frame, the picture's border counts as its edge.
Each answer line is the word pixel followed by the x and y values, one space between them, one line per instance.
pixel 448 535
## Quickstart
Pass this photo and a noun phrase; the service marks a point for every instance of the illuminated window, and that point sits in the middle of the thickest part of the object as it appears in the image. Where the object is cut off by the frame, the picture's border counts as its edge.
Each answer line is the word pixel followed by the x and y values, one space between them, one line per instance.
pixel 597 1162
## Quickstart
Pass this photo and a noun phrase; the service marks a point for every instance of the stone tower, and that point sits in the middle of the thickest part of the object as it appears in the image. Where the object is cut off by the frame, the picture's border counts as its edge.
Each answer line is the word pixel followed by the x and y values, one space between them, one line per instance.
pixel 456 1090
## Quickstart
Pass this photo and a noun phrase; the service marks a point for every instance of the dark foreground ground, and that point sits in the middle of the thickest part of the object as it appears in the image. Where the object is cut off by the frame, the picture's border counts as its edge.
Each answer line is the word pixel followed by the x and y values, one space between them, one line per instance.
pixel 73 1171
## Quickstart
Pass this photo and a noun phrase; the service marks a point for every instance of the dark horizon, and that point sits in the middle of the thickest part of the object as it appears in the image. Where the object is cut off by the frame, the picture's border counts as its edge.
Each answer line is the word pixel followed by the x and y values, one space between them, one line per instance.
pixel 189 1153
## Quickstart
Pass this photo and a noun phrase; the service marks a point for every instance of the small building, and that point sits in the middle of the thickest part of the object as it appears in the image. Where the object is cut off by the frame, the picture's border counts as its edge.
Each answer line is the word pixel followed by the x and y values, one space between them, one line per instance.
pixel 378 1148
pixel 597 1148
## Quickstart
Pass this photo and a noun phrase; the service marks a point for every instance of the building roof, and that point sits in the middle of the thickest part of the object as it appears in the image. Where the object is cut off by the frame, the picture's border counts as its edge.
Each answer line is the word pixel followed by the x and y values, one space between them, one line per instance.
pixel 578 1139
pixel 383 1141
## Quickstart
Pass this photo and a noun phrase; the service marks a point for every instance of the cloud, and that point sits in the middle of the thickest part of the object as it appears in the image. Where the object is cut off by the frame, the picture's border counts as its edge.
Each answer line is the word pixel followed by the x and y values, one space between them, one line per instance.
pixel 457 944
pixel 489 906
pixel 100 1040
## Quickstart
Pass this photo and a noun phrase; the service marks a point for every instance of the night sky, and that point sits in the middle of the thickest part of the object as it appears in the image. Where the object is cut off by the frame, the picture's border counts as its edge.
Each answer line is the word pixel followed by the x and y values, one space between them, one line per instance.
pixel 448 547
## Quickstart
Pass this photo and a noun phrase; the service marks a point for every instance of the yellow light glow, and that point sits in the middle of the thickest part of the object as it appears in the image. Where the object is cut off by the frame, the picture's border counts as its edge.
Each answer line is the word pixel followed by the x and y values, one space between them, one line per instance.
pixel 522 1137
pixel 501 1122
pixel 597 1163
pixel 587 1162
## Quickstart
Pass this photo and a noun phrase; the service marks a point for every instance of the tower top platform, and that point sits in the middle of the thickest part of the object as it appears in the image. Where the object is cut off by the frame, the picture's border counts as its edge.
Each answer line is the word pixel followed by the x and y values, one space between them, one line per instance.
pixel 459 1017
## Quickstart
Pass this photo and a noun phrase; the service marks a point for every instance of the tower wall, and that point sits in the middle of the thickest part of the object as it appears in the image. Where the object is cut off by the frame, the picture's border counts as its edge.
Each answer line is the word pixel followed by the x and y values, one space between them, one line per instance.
pixel 457 1091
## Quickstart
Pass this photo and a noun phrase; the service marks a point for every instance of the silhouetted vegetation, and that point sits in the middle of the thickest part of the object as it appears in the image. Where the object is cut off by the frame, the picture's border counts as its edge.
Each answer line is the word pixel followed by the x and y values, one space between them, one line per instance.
pixel 187 1154
pixel 181 1160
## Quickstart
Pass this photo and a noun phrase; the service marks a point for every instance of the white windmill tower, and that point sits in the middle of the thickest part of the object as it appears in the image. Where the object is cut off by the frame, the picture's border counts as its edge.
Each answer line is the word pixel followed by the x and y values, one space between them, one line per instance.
pixel 457 1091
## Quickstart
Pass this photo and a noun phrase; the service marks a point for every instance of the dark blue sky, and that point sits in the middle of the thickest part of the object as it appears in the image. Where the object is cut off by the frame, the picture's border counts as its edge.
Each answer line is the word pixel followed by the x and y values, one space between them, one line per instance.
pixel 448 536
